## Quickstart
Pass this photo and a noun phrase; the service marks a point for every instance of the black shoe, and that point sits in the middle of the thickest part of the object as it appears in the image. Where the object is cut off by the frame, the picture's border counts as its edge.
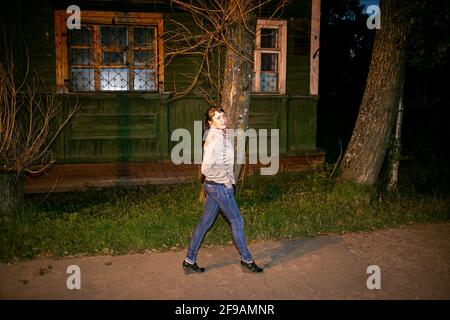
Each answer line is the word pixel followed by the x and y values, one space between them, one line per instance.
pixel 251 267
pixel 191 268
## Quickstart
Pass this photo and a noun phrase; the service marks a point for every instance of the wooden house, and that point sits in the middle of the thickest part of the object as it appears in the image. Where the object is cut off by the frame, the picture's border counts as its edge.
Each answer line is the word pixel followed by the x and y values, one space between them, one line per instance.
pixel 121 134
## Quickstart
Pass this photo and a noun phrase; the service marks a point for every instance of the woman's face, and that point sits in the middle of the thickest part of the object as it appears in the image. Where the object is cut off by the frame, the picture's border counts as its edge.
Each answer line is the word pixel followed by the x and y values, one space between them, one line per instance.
pixel 219 120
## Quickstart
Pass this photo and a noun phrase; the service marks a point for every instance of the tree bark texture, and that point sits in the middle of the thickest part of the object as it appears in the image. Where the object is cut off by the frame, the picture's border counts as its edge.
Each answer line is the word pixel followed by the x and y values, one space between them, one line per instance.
pixel 369 142
pixel 395 153
pixel 11 191
pixel 238 72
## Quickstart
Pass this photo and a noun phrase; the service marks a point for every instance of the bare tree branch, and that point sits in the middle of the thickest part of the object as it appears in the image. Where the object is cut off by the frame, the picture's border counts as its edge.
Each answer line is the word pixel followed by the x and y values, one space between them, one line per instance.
pixel 27 114
pixel 213 21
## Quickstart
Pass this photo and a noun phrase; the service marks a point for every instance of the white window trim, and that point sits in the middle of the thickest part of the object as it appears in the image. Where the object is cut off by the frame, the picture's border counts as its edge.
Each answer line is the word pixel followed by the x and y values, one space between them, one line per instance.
pixel 281 25
pixel 104 18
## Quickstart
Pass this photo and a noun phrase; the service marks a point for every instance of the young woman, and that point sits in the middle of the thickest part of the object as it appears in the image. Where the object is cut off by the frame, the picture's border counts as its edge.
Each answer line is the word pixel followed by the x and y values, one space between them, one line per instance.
pixel 217 167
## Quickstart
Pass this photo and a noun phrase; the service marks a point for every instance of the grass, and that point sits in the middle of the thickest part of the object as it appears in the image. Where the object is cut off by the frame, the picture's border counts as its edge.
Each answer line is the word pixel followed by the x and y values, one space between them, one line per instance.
pixel 119 221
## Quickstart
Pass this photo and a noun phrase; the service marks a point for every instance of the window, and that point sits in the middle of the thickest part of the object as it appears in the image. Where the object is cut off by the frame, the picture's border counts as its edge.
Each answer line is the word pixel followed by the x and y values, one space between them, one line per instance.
pixel 111 52
pixel 269 72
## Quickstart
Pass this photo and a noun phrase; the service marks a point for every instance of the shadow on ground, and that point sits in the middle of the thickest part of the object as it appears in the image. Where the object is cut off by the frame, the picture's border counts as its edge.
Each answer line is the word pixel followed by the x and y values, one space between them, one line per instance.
pixel 286 250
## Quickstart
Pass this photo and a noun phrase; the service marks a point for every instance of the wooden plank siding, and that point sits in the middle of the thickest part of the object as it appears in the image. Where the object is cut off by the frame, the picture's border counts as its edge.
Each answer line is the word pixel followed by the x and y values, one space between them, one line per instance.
pixel 115 127
pixel 302 124
pixel 132 128
pixel 39 33
pixel 39 30
pixel 136 127
pixel 180 70
pixel 298 51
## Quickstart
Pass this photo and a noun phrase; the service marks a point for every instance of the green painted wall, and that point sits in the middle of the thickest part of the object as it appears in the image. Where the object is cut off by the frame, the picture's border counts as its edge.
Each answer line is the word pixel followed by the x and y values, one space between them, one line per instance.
pixel 130 128
pixel 115 127
pixel 137 127
pixel 38 30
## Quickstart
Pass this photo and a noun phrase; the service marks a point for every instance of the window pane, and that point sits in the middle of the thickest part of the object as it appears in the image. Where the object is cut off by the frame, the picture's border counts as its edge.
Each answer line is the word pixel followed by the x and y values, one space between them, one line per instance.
pixel 143 36
pixel 142 58
pixel 269 82
pixel 81 56
pixel 144 79
pixel 114 68
pixel 81 36
pixel 114 79
pixel 113 57
pixel 269 38
pixel 82 79
pixel 113 36
pixel 269 61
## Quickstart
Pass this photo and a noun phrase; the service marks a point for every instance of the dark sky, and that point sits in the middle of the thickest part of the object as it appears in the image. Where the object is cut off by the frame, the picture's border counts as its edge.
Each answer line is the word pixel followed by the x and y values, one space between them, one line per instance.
pixel 369 2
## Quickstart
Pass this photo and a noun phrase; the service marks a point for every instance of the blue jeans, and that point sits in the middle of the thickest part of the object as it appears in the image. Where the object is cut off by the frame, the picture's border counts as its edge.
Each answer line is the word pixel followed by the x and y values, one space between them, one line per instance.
pixel 219 197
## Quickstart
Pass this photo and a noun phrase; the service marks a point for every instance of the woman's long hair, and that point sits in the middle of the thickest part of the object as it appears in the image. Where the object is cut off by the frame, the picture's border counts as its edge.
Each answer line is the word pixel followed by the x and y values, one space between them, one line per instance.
pixel 208 116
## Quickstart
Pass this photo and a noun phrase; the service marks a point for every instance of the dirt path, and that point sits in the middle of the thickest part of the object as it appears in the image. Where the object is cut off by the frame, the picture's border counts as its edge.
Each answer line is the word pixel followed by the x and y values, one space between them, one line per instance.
pixel 414 263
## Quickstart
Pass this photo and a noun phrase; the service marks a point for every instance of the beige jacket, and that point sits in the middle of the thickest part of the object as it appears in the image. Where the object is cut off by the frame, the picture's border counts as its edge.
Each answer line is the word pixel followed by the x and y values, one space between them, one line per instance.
pixel 218 158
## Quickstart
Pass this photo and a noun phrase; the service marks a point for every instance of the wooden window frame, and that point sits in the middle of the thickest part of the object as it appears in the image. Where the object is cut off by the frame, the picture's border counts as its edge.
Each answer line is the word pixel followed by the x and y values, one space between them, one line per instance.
pixel 281 26
pixel 100 18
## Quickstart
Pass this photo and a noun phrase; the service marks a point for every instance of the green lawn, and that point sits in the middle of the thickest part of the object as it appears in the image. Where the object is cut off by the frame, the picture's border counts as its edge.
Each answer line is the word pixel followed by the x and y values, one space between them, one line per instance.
pixel 119 221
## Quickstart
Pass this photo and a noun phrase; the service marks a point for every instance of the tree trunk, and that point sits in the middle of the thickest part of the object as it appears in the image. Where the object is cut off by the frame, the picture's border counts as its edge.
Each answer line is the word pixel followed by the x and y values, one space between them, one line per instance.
pixel 11 191
pixel 367 147
pixel 395 152
pixel 238 70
